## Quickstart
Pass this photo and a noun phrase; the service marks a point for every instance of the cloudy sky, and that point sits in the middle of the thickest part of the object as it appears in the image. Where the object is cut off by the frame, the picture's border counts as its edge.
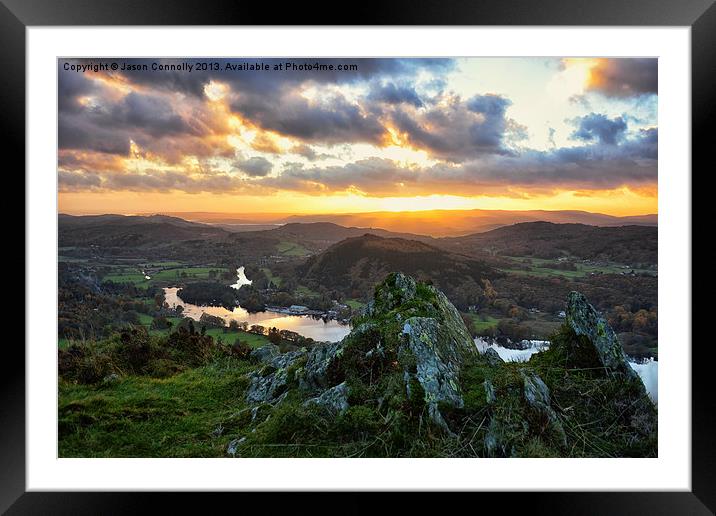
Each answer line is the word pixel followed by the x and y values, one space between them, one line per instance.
pixel 379 134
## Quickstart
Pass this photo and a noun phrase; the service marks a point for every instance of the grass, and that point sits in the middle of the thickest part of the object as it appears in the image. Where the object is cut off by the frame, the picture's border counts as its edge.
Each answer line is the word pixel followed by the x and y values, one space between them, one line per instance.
pixel 196 412
pixel 192 272
pixel 133 275
pixel 354 304
pixel 305 291
pixel 139 416
pixel 227 336
pixel 70 259
pixel 126 277
pixel 292 249
pixel 482 322
pixel 541 267
pixel 276 280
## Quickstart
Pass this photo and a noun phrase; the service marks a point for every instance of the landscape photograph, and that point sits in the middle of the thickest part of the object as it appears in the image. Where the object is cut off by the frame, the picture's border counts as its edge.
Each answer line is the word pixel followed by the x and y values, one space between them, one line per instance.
pixel 359 257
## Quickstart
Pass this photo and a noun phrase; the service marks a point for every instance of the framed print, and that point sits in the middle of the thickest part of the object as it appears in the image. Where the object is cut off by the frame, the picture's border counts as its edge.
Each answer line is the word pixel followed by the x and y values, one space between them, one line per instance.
pixel 426 251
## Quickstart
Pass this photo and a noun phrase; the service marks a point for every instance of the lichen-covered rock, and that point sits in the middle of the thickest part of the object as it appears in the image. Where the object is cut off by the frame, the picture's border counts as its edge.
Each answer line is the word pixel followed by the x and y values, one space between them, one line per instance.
pixel 418 325
pixel 496 445
pixel 397 289
pixel 314 374
pixel 437 364
pixel 334 400
pixel 269 382
pixel 490 396
pixel 265 353
pixel 536 394
pixel 493 357
pixel 586 321
pixel 233 446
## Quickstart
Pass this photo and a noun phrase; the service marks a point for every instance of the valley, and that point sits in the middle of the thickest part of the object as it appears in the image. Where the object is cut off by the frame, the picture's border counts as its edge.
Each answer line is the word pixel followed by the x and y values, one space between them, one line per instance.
pixel 509 282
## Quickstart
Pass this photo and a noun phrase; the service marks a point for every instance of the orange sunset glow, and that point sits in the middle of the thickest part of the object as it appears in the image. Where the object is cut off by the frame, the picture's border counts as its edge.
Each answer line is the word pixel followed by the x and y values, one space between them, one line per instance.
pixel 393 135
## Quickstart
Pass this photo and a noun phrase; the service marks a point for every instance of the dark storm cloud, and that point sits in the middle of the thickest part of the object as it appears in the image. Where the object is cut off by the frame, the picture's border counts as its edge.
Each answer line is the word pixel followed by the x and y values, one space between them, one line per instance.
pixel 70 88
pixel 603 162
pixel 153 114
pixel 473 140
pixel 268 99
pixel 77 181
pixel 456 130
pixel 625 77
pixel 256 166
pixel 332 120
pixel 533 171
pixel 599 128
pixel 167 181
pixel 75 132
pixel 368 175
pixel 391 93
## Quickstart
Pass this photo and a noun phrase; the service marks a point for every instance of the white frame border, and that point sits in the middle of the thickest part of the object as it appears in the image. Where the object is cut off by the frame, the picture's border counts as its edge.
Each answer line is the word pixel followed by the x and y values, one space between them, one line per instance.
pixel 670 471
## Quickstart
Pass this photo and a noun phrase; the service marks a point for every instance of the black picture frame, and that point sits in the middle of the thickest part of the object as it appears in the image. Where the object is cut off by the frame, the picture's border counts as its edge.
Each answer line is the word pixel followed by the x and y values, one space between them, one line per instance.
pixel 700 15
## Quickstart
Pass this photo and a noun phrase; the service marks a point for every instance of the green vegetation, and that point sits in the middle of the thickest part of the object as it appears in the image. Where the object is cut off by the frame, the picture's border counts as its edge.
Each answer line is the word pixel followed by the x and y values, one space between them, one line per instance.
pixel 543 267
pixel 354 304
pixel 292 249
pixel 185 415
pixel 189 392
pixel 302 290
pixel 481 323
pixel 172 273
pixel 276 280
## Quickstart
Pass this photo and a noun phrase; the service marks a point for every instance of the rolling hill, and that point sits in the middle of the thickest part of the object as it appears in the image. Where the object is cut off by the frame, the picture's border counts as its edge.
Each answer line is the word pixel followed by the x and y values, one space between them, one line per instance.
pixel 131 231
pixel 437 223
pixel 624 244
pixel 355 265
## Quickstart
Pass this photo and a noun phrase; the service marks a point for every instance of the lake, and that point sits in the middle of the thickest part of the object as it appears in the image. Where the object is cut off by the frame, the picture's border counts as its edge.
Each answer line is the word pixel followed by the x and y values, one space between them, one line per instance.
pixel 647 370
pixel 315 328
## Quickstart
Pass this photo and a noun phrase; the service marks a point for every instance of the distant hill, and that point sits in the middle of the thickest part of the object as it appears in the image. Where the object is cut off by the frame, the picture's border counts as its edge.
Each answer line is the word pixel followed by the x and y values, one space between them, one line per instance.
pixel 356 264
pixel 436 223
pixel 131 231
pixel 439 223
pixel 624 244
pixel 329 233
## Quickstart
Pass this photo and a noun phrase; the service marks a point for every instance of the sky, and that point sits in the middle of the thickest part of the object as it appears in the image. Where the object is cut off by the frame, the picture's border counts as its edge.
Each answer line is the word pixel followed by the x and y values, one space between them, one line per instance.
pixel 357 135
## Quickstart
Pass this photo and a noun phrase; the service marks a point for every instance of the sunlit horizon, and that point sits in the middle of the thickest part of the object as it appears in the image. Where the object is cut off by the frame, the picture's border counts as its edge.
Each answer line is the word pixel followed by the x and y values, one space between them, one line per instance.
pixel 397 135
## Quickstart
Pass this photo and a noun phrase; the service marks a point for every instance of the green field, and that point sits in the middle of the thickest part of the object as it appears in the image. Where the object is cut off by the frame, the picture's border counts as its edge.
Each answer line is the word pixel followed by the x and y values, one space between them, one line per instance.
pixel 354 304
pixel 70 259
pixel 482 322
pixel 544 267
pixel 305 291
pixel 134 275
pixel 276 280
pixel 292 249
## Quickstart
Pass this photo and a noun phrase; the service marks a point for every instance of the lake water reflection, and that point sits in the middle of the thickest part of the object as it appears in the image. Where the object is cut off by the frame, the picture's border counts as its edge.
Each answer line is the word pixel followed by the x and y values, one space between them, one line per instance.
pixel 315 328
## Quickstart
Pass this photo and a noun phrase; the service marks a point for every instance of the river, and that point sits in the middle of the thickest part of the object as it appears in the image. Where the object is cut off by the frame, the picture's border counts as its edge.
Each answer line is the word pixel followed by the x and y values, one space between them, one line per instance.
pixel 647 370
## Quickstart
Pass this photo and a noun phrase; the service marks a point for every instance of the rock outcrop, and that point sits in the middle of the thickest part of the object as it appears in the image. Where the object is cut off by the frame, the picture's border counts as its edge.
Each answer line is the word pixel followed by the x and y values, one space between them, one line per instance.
pixel 413 322
pixel 272 380
pixel 410 372
pixel 586 321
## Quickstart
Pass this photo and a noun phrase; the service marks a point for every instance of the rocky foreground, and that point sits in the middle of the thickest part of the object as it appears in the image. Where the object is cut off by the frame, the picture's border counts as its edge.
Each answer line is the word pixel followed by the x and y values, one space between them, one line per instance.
pixel 409 381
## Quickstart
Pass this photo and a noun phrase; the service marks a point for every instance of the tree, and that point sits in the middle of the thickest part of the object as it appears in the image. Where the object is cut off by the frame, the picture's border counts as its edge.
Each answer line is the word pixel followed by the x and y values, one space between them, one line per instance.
pixel 274 336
